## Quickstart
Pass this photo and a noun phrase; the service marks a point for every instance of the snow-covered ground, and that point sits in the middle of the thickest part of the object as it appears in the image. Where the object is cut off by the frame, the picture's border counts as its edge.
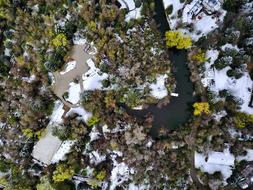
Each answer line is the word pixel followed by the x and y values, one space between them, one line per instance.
pixel 93 77
pixel 120 173
pixel 68 67
pixel 29 79
pixel 158 89
pixel 173 17
pixel 248 156
pixel 216 162
pixel 74 93
pixel 94 134
pixel 58 111
pixel 218 80
pixel 134 12
pixel 96 157
pixel 237 134
pixel 202 24
pixel 80 111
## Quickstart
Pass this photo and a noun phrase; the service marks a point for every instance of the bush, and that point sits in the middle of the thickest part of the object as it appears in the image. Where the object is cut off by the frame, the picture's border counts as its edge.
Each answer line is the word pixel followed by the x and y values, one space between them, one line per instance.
pixel 93 121
pixel 234 73
pixel 62 173
pixel 60 40
pixel 243 120
pixel 169 10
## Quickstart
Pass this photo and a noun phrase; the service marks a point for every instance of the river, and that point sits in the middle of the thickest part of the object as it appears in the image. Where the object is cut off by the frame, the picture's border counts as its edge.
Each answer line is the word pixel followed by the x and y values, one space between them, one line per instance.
pixel 178 110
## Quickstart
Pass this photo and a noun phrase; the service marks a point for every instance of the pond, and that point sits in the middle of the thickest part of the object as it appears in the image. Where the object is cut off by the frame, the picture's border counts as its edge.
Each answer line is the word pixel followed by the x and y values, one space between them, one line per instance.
pixel 178 110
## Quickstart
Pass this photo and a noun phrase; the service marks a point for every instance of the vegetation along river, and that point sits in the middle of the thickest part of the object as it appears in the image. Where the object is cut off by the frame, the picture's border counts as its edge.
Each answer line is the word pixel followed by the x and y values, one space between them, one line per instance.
pixel 179 109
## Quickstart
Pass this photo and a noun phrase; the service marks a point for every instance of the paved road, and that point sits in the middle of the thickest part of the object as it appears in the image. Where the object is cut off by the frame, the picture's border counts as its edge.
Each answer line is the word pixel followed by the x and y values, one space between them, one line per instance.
pixel 61 84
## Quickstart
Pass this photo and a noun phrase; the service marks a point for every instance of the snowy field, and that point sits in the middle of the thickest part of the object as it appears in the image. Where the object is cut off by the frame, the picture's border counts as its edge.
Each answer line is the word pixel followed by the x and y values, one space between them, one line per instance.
pixel 218 80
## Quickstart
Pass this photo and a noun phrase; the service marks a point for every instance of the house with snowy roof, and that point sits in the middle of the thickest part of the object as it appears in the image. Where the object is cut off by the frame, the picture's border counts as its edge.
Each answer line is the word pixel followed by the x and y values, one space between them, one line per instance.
pixel 246 178
pixel 209 6
pixel 212 6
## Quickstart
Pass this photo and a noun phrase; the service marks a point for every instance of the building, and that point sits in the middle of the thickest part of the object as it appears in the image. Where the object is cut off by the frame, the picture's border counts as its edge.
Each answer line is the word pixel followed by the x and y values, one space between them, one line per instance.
pixel 46 147
pixel 246 179
pixel 209 6
pixel 212 6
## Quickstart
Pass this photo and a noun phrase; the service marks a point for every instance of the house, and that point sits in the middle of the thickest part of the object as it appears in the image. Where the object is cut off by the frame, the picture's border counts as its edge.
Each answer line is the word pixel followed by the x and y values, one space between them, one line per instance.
pixel 209 6
pixel 46 147
pixel 212 6
pixel 246 179
pixel 195 9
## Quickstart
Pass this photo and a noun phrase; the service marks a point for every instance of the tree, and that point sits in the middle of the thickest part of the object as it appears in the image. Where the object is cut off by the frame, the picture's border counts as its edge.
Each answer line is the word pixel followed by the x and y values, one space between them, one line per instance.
pixel 199 56
pixel 243 120
pixel 44 184
pixel 62 173
pixel 178 40
pixel 93 121
pixel 201 108
pixel 60 40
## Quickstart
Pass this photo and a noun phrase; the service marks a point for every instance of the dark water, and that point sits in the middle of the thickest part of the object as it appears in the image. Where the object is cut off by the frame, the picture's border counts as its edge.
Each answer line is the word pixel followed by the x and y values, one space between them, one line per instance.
pixel 178 110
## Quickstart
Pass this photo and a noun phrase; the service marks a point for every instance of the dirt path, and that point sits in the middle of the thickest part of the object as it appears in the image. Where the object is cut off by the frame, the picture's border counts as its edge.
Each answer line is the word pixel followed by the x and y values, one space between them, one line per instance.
pixel 193 171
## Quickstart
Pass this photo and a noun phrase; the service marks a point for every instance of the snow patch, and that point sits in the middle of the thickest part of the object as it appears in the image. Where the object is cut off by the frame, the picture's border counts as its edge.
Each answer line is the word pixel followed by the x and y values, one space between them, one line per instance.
pixel 119 174
pixel 96 158
pixel 62 151
pixel 158 89
pixel 74 93
pixel 93 77
pixel 80 111
pixel 216 162
pixel 248 157
pixel 29 79
pixel 218 80
pixel 69 66
pixel 58 111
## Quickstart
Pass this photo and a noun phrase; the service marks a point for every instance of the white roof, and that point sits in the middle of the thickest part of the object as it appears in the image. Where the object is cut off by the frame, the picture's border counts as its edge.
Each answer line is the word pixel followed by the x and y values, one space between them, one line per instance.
pixel 46 147
pixel 221 158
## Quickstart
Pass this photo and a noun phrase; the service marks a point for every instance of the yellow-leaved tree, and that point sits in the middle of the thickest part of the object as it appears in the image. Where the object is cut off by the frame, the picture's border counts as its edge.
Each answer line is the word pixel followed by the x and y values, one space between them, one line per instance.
pixel 242 120
pixel 199 56
pixel 201 108
pixel 178 40
pixel 60 40
pixel 62 173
